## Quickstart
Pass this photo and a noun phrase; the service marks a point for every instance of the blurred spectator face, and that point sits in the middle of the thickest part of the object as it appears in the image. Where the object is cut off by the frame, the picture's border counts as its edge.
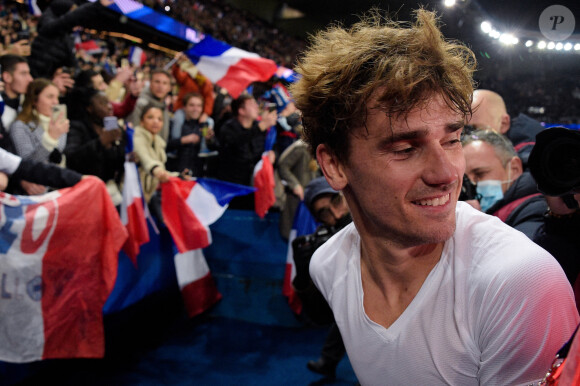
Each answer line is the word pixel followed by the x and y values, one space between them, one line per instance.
pixel 153 120
pixel 193 108
pixel 329 208
pixel 482 163
pixel 160 85
pixel 250 110
pixel 99 82
pixel 17 81
pixel 47 99
pixel 100 107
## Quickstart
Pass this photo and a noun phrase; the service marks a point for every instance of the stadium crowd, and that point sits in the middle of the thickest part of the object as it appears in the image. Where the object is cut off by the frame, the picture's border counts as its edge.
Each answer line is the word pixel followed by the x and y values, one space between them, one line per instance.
pixel 79 115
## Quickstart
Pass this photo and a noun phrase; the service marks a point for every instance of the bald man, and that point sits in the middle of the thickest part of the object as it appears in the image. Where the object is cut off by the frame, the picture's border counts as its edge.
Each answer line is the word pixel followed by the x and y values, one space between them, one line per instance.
pixel 489 112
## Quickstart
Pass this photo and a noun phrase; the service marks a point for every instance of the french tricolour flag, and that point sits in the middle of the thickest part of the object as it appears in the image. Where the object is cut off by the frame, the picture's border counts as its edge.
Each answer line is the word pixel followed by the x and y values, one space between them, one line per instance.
pixel 264 197
pixel 189 208
pixel 58 265
pixel 133 212
pixel 229 67
pixel 304 224
pixel 137 56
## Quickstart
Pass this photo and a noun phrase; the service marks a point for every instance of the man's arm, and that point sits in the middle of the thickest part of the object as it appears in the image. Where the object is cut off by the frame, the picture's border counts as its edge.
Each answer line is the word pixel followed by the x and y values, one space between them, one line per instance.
pixel 525 313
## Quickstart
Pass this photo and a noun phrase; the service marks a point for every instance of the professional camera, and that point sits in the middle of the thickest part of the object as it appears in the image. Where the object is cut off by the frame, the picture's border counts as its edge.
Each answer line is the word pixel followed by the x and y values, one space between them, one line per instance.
pixel 468 190
pixel 314 306
pixel 555 163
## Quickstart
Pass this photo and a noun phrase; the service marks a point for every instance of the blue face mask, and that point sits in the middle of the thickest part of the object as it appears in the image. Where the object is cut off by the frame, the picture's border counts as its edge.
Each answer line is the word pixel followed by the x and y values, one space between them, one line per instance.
pixel 490 191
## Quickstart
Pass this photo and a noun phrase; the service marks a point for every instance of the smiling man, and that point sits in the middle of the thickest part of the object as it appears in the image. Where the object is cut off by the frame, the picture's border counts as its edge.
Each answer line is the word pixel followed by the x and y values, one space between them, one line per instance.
pixel 424 290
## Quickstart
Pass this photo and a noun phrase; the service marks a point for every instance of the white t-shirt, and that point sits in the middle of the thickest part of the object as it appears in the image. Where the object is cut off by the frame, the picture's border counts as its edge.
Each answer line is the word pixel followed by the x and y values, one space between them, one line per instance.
pixel 493 311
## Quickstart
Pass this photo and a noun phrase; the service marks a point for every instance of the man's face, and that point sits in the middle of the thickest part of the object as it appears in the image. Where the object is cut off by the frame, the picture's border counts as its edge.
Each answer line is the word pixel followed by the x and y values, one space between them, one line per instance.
pixel 193 108
pixel 99 83
pixel 403 177
pixel 17 82
pixel 250 109
pixel 482 164
pixel 160 85
pixel 100 106
pixel 329 208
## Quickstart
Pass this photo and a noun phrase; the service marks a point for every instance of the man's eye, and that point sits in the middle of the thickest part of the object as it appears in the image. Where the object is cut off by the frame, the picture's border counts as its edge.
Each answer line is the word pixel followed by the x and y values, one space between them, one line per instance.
pixel 405 151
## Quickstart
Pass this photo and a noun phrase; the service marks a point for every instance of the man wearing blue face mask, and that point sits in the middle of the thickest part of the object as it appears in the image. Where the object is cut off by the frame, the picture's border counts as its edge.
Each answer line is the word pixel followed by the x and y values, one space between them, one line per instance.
pixel 506 190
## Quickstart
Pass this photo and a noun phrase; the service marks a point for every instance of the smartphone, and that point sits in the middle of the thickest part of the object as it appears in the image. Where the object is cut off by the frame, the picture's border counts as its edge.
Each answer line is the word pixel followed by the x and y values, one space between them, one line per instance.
pixel 57 111
pixel 23 35
pixel 110 123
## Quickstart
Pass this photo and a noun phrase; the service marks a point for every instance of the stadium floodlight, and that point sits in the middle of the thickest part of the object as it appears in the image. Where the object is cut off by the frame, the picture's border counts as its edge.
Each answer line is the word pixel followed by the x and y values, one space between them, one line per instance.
pixel 508 39
pixel 577 47
pixel 567 46
pixel 486 27
pixel 529 43
pixel 541 45
pixel 449 3
pixel 559 46
pixel 551 45
pixel 495 34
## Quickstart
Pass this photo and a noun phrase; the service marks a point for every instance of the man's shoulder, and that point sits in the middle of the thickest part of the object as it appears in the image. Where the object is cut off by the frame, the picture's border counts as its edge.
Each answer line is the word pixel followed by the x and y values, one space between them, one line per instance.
pixel 484 242
pixel 337 251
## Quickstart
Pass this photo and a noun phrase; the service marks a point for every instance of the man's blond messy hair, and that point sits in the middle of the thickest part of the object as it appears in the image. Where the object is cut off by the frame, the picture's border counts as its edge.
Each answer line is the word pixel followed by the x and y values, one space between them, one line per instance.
pixel 398 64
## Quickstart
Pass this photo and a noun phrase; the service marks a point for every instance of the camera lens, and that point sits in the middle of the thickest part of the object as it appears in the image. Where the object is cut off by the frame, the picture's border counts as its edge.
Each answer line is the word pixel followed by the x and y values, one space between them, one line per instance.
pixel 555 161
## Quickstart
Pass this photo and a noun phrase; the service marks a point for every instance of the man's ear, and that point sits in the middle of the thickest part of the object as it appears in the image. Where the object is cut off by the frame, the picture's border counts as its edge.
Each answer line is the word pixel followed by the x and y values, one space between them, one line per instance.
pixel 331 167
pixel 516 167
pixel 6 77
pixel 504 125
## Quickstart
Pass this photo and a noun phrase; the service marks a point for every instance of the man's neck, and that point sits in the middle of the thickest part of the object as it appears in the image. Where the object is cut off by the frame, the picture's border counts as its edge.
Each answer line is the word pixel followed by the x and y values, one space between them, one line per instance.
pixel 245 122
pixel 11 94
pixel 392 276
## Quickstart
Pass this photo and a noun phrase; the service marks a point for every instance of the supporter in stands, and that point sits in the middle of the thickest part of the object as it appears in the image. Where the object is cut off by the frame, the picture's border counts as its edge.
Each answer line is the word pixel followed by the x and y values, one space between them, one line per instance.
pixel 296 169
pixel 53 48
pixel 558 234
pixel 328 208
pixel 489 112
pixel 507 191
pixel 93 148
pixel 188 146
pixel 159 88
pixel 16 77
pixel 447 292
pixel 37 134
pixel 91 78
pixel 150 150
pixel 190 80
pixel 36 172
pixel 242 140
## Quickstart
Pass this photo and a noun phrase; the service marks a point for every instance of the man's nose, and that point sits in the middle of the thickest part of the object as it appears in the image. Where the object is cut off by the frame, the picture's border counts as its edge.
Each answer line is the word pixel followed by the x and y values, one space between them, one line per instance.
pixel 439 168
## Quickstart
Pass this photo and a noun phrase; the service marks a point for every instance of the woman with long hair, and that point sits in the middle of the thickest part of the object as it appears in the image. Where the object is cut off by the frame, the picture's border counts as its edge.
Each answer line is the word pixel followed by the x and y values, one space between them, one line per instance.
pixel 37 133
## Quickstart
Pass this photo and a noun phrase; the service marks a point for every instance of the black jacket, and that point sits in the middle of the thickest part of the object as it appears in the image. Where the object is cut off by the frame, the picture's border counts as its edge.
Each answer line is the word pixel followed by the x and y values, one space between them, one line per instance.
pixel 54 46
pixel 529 215
pixel 522 134
pixel 240 150
pixel 86 154
pixel 559 236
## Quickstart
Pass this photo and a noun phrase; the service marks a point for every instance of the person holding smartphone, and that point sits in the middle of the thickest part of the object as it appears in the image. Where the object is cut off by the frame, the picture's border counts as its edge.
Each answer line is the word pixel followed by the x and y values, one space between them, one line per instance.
pixel 39 134
pixel 96 143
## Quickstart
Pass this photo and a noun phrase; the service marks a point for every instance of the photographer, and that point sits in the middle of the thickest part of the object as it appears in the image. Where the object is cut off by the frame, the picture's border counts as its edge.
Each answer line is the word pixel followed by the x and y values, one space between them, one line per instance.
pixel 330 209
pixel 554 165
pixel 506 190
